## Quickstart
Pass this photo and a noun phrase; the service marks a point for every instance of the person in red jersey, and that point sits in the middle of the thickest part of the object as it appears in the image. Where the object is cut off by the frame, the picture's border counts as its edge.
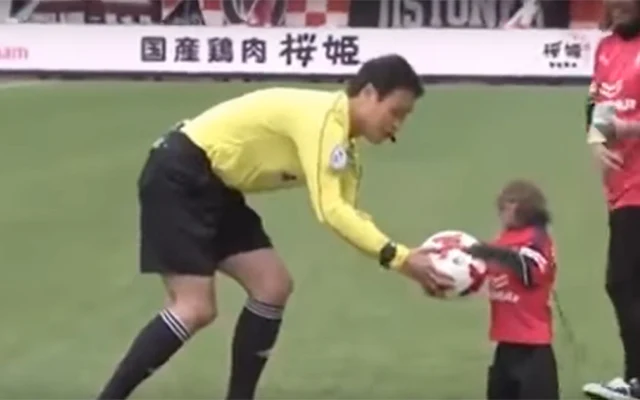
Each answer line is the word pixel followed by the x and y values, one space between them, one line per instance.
pixel 521 274
pixel 613 120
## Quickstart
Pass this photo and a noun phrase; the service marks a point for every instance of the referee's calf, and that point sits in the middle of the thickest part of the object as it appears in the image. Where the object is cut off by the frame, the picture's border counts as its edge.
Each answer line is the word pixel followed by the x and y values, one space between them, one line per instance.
pixel 522 272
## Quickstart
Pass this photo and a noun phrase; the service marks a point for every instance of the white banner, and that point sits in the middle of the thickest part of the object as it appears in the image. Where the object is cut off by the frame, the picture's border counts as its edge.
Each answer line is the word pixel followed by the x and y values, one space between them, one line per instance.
pixel 294 51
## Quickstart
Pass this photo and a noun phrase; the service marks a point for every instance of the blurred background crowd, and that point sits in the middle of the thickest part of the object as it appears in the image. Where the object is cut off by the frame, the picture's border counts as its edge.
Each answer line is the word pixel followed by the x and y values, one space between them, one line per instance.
pixel 483 14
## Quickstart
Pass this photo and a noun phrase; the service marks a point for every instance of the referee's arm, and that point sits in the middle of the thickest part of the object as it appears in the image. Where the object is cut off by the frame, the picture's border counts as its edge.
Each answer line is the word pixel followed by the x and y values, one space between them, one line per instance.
pixel 324 169
pixel 350 188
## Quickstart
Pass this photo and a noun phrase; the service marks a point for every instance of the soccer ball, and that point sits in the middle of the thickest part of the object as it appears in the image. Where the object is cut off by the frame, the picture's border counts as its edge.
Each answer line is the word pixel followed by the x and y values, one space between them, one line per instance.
pixel 468 273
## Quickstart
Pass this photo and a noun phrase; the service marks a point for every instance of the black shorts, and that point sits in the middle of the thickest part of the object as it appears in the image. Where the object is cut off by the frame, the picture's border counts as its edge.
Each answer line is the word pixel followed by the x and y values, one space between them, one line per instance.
pixel 523 372
pixel 190 220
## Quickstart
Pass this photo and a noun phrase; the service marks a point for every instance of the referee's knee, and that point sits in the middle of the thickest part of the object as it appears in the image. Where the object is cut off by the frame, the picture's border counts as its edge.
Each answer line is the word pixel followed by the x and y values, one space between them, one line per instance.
pixel 275 289
pixel 192 300
pixel 195 313
pixel 262 274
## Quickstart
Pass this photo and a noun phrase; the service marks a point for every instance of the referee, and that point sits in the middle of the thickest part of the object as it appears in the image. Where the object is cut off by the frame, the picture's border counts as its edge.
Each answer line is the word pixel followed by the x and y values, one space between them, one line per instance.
pixel 194 220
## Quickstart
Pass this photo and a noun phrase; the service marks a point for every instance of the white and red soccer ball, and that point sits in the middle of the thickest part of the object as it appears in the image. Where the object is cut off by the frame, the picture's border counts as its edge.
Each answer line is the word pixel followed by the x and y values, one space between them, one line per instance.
pixel 468 273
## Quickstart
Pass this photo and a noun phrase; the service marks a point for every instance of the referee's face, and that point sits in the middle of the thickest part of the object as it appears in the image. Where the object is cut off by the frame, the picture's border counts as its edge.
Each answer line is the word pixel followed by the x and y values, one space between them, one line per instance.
pixel 386 115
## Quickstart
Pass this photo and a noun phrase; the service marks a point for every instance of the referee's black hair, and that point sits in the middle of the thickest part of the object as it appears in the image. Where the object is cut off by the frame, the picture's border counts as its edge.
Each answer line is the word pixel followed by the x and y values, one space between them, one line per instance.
pixel 386 74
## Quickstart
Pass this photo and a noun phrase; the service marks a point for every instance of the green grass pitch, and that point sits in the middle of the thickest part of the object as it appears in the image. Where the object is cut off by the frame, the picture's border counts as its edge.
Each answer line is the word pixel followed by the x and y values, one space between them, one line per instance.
pixel 72 299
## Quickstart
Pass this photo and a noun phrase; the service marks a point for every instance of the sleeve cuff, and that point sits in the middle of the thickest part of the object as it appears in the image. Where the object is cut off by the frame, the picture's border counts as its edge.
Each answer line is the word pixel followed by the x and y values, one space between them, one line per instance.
pixel 402 253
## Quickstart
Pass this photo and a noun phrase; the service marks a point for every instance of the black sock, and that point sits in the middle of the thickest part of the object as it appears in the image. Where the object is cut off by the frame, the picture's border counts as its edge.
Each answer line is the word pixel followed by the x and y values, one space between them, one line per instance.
pixel 255 335
pixel 156 343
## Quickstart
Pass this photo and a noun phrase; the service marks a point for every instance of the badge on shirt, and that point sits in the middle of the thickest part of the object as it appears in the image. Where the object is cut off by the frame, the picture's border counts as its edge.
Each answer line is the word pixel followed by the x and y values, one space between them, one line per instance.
pixel 339 158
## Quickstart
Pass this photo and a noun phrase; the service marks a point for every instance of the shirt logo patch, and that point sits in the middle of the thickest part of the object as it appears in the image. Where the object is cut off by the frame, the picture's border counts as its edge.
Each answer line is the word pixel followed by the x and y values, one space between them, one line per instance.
pixel 611 90
pixel 338 159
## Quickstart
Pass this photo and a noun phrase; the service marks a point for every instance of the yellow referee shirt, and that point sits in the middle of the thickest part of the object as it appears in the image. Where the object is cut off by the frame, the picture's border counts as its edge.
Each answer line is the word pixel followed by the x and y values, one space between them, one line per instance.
pixel 283 137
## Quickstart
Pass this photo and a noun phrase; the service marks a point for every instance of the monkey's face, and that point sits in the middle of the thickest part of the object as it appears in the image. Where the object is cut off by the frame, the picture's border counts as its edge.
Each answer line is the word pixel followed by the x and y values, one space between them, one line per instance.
pixel 508 214
pixel 521 203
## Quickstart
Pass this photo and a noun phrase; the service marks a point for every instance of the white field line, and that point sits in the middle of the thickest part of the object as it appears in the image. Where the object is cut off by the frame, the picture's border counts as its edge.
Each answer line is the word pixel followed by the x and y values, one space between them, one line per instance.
pixel 6 85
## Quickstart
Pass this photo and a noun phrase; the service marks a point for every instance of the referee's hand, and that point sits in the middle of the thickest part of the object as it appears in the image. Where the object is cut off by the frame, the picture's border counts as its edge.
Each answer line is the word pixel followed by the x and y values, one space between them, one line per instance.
pixel 419 267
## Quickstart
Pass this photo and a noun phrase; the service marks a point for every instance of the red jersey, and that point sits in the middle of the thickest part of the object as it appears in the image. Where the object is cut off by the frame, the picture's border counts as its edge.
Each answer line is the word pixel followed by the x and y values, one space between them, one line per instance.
pixel 521 308
pixel 617 78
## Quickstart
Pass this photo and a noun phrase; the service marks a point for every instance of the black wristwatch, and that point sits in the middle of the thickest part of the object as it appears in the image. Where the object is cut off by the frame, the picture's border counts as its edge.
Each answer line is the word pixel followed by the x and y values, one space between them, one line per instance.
pixel 387 254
